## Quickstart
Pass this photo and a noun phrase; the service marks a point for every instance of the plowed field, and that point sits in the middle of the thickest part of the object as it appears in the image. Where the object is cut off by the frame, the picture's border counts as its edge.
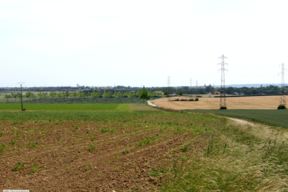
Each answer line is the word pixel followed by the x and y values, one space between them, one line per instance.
pixel 261 102
pixel 121 153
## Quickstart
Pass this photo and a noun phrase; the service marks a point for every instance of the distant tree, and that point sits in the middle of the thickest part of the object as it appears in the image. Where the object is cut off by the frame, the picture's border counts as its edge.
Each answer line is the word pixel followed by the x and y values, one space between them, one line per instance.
pixel 14 95
pixel 73 94
pixel 106 94
pixel 180 93
pixel 44 96
pixel 118 95
pixel 64 94
pixel 144 94
pixel 95 95
pixel 39 95
pixel 18 95
pixel 27 94
pixel 32 96
pixel 6 97
pixel 52 95
pixel 131 95
pixel 165 93
pixel 58 95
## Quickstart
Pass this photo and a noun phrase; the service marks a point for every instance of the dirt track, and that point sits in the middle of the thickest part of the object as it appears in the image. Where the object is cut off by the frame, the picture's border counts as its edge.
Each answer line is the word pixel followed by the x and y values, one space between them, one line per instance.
pixel 261 102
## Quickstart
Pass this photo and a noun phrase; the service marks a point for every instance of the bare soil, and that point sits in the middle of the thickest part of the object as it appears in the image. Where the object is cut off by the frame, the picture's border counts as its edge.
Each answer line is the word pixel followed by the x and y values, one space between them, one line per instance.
pixel 59 158
pixel 261 102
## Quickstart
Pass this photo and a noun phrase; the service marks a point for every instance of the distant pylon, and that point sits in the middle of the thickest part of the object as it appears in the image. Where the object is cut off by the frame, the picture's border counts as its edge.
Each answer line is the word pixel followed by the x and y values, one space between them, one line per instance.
pixel 282 97
pixel 222 89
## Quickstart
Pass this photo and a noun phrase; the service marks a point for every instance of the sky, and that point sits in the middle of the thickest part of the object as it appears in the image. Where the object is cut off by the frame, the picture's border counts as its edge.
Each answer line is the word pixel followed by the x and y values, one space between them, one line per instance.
pixel 141 43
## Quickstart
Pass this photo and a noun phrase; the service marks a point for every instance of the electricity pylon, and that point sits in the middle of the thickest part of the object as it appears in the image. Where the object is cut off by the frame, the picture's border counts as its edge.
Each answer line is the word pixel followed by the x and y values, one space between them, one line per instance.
pixel 222 89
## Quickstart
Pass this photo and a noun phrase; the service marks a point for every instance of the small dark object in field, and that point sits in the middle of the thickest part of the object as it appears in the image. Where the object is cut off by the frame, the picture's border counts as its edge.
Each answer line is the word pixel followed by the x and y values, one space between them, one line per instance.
pixel 223 107
pixel 176 99
pixel 23 109
pixel 281 107
pixel 183 99
pixel 196 99
pixel 191 99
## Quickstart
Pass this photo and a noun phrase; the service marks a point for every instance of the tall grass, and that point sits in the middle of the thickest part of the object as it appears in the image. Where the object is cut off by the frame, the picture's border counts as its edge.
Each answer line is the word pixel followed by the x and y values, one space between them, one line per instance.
pixel 236 158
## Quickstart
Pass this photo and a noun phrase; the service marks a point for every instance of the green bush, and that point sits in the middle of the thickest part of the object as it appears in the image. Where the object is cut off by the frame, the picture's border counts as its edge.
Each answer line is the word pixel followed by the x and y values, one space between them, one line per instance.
pixel 281 107
pixel 196 99
pixel 191 99
pixel 223 107
pixel 176 99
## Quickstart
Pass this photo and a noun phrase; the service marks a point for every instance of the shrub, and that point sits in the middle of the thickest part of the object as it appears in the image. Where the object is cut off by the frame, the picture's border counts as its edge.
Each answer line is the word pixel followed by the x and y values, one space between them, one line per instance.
pixel 191 99
pixel 196 99
pixel 176 99
pixel 223 107
pixel 281 107
pixel 183 99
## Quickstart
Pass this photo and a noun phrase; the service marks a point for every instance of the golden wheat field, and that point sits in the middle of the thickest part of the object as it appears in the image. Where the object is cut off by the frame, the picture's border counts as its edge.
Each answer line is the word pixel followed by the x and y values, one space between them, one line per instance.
pixel 261 102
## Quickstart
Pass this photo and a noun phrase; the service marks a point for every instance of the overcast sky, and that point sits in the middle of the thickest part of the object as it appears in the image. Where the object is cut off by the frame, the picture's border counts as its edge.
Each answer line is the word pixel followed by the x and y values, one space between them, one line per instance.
pixel 134 43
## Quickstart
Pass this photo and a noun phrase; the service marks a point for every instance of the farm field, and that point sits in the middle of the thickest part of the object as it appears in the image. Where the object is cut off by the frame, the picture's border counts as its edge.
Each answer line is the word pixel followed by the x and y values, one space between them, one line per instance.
pixel 269 117
pixel 84 151
pixel 139 151
pixel 68 107
pixel 261 102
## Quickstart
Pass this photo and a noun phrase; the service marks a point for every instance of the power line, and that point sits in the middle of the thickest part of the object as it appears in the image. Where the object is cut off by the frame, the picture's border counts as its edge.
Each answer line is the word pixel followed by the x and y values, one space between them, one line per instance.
pixel 222 89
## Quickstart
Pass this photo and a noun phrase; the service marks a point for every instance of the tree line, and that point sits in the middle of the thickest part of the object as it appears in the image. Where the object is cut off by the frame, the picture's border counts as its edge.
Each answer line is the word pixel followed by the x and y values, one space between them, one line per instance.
pixel 267 90
pixel 87 94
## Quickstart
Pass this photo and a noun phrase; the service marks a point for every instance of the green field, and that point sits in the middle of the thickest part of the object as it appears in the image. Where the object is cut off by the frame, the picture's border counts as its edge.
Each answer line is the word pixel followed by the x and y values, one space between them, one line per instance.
pixel 269 117
pixel 68 107
pixel 174 151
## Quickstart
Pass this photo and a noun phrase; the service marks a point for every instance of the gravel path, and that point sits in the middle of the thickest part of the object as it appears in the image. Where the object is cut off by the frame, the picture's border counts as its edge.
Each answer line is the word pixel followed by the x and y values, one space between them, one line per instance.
pixel 233 119
pixel 242 121
pixel 151 104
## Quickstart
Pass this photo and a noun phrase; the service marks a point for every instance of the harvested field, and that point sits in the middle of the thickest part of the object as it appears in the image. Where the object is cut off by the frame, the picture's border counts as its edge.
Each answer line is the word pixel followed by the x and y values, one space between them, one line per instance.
pixel 113 151
pixel 261 102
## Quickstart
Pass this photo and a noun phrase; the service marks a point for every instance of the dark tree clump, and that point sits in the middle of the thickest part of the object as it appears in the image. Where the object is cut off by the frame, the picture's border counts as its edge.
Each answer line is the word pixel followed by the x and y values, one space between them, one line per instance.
pixel 144 94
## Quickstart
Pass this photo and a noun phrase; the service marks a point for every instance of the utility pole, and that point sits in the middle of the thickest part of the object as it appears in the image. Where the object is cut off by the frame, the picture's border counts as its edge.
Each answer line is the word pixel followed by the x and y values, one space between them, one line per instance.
pixel 282 97
pixel 168 82
pixel 21 83
pixel 222 89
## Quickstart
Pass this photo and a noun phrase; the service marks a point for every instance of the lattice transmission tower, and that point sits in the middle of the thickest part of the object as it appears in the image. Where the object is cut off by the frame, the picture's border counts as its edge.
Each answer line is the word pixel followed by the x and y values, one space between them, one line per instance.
pixel 222 89
pixel 282 98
